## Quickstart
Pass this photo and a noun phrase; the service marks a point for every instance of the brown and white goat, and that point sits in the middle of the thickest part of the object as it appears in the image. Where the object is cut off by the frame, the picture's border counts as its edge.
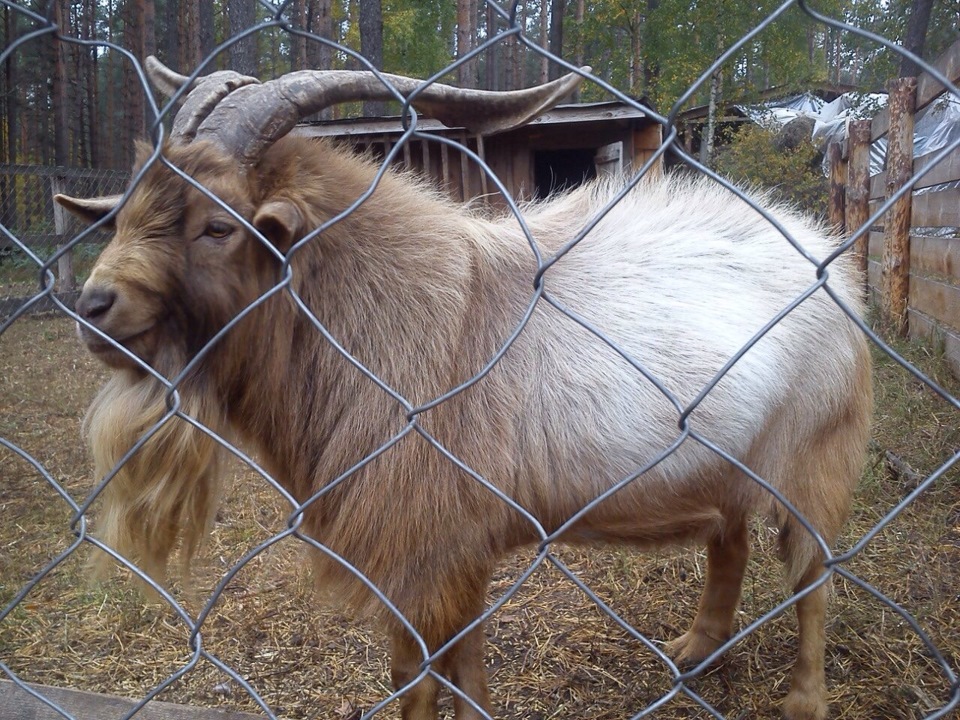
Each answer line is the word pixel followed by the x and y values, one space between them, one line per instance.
pixel 424 293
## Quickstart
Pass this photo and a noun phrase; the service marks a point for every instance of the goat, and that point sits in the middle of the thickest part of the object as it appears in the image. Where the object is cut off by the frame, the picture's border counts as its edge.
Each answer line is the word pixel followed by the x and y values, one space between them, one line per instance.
pixel 424 294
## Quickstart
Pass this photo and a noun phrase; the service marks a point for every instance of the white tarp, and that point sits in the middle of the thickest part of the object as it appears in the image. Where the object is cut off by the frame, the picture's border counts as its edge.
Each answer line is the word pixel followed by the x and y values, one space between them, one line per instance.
pixel 935 127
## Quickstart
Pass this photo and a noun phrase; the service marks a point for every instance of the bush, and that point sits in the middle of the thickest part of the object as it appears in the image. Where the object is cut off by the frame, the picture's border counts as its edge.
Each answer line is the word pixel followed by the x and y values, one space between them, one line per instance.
pixel 757 157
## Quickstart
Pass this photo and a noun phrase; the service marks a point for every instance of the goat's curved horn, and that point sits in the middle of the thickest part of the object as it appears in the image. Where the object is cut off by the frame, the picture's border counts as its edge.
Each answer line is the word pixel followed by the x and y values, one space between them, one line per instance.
pixel 163 78
pixel 250 119
pixel 205 94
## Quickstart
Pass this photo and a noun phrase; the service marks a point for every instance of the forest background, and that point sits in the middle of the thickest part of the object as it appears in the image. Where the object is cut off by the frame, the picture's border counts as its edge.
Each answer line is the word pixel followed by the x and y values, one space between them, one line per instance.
pixel 76 105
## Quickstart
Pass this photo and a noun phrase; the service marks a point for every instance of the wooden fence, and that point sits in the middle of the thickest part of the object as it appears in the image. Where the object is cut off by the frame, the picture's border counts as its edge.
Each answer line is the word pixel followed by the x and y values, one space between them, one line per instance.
pixel 911 254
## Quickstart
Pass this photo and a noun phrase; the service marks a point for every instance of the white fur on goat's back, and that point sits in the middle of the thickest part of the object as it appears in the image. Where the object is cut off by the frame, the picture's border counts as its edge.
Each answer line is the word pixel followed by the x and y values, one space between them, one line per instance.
pixel 680 274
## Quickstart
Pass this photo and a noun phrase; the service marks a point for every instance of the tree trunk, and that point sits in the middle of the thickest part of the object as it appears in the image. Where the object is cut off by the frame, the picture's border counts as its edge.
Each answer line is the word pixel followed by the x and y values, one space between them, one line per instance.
pixel 298 44
pixel 651 70
pixel 464 42
pixel 320 22
pixel 188 27
pixel 92 84
pixel 169 49
pixel 544 40
pixel 578 50
pixel 707 138
pixel 134 102
pixel 509 66
pixel 61 146
pixel 81 126
pixel 241 15
pixel 916 36
pixel 558 9
pixel 635 76
pixel 111 135
pixel 491 68
pixel 8 188
pixel 149 29
pixel 206 32
pixel 371 47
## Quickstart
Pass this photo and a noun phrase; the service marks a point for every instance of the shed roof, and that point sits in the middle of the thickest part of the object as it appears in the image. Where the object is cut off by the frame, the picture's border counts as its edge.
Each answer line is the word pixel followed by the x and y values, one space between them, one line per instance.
pixel 559 115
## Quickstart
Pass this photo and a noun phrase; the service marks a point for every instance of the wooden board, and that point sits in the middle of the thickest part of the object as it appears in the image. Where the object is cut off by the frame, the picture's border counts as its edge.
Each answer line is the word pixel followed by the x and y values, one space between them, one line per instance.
pixel 873 274
pixel 935 256
pixel 938 300
pixel 936 209
pixel 947 170
pixel 17 704
pixel 926 328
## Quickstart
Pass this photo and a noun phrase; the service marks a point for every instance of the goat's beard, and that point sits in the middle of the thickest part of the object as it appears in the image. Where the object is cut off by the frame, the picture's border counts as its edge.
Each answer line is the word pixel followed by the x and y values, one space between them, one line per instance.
pixel 166 494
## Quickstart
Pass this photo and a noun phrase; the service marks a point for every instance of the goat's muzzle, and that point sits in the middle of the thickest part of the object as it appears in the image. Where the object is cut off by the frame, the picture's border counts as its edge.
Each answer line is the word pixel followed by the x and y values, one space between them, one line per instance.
pixel 105 310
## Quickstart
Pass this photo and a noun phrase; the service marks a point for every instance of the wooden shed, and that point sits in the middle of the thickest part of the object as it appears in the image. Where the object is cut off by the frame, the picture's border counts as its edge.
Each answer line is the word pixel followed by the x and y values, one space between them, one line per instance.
pixel 559 149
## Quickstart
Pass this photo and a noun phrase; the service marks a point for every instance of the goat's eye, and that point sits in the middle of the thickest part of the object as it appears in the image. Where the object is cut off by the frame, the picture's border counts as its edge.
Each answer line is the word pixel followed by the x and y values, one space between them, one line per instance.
pixel 217 230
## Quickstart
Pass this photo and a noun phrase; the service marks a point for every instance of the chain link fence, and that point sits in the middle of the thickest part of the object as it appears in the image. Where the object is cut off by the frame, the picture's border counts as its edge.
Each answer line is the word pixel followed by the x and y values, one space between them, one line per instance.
pixel 238 556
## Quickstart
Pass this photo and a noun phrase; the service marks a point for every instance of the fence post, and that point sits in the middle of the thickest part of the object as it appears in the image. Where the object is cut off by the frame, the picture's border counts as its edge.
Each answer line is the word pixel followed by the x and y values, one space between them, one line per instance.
pixel 896 245
pixel 67 281
pixel 838 182
pixel 858 191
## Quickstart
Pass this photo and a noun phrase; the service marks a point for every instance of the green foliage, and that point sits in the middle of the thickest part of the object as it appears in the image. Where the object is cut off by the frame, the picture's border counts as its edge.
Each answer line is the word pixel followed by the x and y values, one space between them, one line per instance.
pixel 753 158
pixel 869 65
pixel 659 48
pixel 417 36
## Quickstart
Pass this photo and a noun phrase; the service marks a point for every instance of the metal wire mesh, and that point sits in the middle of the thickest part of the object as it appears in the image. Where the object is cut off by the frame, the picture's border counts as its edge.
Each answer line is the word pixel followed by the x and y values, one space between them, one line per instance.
pixel 681 681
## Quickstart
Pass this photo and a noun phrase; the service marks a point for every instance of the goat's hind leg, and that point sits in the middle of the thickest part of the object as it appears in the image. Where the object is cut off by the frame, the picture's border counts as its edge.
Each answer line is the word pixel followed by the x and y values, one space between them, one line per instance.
pixel 807 699
pixel 420 701
pixel 463 665
pixel 727 555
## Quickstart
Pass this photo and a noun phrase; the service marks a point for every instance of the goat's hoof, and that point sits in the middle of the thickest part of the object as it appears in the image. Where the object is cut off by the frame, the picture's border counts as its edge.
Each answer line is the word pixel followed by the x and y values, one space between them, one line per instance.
pixel 805 705
pixel 691 648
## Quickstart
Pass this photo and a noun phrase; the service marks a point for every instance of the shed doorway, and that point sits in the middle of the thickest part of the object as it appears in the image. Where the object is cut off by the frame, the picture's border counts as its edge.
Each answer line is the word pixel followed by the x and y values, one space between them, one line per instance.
pixel 555 170
pixel 566 169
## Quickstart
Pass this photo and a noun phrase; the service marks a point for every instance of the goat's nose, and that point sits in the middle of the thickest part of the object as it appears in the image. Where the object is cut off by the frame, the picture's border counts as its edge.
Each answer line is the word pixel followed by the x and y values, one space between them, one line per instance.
pixel 95 303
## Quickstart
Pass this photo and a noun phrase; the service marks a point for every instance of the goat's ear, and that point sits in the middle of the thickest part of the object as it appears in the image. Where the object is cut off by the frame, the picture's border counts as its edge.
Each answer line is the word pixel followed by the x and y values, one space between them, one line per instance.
pixel 90 209
pixel 281 222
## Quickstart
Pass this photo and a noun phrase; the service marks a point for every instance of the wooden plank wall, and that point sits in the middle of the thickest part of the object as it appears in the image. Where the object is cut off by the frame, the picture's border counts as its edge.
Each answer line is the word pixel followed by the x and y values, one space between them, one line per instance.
pixel 933 302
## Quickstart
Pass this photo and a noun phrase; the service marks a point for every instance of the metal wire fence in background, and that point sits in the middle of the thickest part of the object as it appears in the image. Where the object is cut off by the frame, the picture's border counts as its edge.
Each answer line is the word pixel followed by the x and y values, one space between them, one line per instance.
pixel 35 228
pixel 30 221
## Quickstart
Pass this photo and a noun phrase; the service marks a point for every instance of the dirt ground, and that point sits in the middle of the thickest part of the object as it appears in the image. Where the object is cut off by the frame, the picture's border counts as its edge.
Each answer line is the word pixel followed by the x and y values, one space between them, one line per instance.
pixel 552 653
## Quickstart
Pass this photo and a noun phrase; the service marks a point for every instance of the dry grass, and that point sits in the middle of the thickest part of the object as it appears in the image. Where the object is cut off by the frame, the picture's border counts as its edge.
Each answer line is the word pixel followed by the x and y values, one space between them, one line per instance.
pixel 20 276
pixel 552 652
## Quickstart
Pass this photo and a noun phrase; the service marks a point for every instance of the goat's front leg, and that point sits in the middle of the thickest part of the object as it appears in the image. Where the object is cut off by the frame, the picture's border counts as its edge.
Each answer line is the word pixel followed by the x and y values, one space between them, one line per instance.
pixel 420 701
pixel 726 563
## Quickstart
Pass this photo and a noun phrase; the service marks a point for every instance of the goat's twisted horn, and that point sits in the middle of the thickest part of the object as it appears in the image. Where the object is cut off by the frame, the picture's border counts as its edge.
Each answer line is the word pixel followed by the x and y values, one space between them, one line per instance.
pixel 204 95
pixel 246 117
